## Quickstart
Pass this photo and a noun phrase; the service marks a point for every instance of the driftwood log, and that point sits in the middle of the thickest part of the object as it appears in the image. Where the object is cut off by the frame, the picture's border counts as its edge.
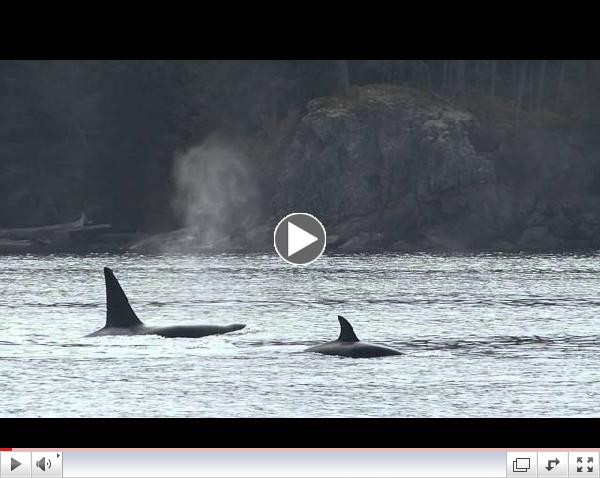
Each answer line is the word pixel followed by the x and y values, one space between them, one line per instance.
pixel 26 238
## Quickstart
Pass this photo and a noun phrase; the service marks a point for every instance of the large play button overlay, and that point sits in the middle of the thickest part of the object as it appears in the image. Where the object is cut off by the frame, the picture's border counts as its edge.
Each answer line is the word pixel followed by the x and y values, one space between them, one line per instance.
pixel 300 238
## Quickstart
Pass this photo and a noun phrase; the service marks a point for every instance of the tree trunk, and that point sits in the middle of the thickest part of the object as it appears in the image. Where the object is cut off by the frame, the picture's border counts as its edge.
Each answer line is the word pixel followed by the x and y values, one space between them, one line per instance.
pixel 493 78
pixel 514 79
pixel 588 70
pixel 424 67
pixel 589 77
pixel 445 77
pixel 542 79
pixel 530 83
pixel 343 76
pixel 521 88
pixel 561 79
pixel 460 76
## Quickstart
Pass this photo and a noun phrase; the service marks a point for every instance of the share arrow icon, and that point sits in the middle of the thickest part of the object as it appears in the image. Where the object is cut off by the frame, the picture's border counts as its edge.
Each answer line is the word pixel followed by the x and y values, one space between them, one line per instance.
pixel 550 467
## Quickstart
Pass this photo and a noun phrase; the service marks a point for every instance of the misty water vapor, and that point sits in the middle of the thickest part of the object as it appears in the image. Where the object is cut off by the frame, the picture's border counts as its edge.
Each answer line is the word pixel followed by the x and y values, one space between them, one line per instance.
pixel 216 191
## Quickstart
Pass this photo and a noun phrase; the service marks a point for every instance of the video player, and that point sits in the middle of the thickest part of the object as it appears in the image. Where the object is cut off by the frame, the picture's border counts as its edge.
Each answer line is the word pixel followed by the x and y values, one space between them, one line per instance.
pixel 364 252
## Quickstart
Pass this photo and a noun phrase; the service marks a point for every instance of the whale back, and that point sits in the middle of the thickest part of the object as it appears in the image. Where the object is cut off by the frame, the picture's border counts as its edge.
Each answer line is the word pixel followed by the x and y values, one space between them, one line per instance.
pixel 346 331
pixel 118 311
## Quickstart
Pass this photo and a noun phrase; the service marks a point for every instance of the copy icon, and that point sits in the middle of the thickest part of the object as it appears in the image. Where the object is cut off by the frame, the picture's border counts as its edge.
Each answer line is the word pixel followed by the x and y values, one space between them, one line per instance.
pixel 521 465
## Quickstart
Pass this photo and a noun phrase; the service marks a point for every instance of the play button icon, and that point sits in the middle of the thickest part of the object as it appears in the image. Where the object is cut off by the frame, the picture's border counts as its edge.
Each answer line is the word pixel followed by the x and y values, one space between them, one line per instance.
pixel 299 238
pixel 16 464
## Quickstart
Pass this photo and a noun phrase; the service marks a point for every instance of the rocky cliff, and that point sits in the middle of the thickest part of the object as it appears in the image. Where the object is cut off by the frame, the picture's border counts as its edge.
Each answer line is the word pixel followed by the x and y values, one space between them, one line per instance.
pixel 399 169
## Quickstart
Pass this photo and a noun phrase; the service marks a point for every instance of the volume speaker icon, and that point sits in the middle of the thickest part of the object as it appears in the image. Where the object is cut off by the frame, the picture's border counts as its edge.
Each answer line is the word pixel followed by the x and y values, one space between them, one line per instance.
pixel 43 464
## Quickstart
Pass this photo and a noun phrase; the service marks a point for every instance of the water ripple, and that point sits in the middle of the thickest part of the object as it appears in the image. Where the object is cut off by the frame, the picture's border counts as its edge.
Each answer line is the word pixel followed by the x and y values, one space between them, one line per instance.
pixel 481 334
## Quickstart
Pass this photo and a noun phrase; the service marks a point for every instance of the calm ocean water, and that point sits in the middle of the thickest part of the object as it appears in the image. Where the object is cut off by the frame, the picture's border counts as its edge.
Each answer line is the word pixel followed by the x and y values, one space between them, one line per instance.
pixel 484 335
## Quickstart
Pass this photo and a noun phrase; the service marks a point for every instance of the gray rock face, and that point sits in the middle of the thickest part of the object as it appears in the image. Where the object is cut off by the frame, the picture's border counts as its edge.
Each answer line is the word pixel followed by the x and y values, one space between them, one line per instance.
pixel 538 238
pixel 359 155
pixel 363 242
pixel 396 154
pixel 561 226
pixel 402 246
pixel 501 245
pixel 414 168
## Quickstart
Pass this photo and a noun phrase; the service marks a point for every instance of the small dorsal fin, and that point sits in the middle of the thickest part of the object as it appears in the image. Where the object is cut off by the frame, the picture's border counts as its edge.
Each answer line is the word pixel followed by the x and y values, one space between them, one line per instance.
pixel 118 311
pixel 346 331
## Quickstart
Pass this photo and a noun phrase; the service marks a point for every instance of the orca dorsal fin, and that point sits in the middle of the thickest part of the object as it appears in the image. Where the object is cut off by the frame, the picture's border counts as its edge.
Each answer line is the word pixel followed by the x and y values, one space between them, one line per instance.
pixel 118 311
pixel 346 331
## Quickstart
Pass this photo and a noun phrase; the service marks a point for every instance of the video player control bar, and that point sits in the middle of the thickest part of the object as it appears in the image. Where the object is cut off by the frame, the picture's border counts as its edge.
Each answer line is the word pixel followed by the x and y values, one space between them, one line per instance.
pixel 297 463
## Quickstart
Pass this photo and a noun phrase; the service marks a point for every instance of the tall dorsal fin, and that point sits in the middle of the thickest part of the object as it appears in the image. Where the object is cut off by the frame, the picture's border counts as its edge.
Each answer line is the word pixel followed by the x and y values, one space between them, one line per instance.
pixel 346 331
pixel 118 311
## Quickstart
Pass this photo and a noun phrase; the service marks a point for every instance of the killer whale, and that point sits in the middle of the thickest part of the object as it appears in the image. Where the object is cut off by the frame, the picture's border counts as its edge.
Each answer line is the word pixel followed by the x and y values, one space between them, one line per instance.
pixel 122 320
pixel 348 345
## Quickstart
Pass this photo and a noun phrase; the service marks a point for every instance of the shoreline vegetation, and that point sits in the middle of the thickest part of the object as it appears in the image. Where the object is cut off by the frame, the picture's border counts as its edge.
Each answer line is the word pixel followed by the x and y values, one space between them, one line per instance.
pixel 391 155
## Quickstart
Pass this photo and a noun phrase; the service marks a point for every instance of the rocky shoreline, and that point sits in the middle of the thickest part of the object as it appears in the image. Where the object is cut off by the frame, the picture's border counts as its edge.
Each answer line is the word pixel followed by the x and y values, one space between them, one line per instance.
pixel 389 168
pixel 536 239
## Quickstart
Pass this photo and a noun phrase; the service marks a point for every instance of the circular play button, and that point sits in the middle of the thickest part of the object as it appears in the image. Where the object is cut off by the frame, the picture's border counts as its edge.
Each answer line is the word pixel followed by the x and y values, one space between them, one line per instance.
pixel 299 238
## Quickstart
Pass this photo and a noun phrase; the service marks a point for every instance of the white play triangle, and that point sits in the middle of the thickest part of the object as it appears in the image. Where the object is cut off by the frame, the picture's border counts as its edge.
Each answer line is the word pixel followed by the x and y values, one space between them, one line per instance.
pixel 298 239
